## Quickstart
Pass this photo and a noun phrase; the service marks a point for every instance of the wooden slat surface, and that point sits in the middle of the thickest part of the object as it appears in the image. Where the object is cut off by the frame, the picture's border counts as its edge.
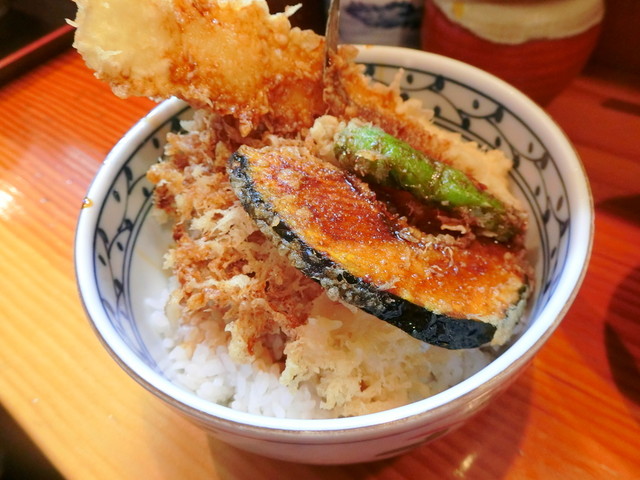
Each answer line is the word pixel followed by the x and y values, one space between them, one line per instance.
pixel 574 414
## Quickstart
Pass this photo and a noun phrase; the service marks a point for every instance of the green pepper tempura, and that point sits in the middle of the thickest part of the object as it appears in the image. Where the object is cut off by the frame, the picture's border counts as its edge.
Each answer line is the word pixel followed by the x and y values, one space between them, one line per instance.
pixel 383 159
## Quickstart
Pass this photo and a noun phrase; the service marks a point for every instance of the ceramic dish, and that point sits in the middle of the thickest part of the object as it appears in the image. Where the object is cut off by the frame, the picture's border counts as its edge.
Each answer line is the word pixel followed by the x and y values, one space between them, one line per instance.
pixel 119 249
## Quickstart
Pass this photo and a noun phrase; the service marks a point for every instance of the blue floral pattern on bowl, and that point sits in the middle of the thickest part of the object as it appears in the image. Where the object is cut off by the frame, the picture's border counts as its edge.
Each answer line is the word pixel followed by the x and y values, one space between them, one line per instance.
pixel 123 213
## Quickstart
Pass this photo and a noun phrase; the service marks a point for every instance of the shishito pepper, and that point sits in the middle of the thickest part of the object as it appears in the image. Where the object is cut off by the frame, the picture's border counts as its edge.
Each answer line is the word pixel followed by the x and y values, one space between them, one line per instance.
pixel 331 226
pixel 379 157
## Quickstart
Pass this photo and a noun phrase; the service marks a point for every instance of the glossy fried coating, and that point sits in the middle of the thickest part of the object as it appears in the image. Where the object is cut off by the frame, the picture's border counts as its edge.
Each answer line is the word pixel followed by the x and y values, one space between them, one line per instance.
pixel 449 292
pixel 233 56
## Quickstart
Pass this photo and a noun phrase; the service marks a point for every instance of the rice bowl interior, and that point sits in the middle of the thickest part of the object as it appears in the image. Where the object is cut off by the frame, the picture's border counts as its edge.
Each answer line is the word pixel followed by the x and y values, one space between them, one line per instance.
pixel 120 248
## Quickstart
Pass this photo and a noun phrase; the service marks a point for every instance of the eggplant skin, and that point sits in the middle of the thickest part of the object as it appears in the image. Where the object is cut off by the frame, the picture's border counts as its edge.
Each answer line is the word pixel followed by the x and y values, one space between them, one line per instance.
pixel 427 326
pixel 420 322
pixel 430 327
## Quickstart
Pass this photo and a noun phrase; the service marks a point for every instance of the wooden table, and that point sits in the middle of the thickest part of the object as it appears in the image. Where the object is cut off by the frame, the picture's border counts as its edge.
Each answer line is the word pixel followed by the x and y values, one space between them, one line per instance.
pixel 574 414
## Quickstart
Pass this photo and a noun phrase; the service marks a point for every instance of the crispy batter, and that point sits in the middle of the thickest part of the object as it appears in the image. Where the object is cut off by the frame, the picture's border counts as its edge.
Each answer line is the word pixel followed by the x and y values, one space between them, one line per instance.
pixel 237 60
pixel 223 264
pixel 231 56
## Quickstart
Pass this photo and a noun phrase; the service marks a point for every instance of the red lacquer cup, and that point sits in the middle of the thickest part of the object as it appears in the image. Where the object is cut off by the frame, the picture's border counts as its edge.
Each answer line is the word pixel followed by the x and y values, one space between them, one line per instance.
pixel 537 46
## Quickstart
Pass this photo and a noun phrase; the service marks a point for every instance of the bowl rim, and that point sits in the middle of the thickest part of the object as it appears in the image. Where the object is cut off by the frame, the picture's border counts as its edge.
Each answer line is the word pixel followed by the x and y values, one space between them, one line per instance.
pixel 506 365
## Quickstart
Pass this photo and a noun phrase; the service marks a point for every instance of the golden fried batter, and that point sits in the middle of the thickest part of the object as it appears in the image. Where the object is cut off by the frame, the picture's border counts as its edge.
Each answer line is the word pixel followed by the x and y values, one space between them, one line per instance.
pixel 232 56
pixel 237 60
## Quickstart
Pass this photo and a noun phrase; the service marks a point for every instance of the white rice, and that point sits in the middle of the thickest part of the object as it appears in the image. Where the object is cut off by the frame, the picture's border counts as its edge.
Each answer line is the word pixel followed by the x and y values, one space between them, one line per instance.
pixel 207 370
pixel 204 367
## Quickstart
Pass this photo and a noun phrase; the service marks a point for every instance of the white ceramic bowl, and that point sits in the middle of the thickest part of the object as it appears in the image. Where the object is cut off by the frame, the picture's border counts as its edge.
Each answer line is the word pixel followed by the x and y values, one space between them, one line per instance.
pixel 119 250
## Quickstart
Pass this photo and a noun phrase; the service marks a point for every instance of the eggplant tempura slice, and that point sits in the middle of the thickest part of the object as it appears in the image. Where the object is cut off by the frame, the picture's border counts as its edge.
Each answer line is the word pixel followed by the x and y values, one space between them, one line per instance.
pixel 439 289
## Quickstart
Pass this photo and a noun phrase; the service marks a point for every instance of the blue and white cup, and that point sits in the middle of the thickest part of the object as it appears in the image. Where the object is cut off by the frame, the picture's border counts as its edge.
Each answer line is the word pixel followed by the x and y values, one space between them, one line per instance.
pixel 381 22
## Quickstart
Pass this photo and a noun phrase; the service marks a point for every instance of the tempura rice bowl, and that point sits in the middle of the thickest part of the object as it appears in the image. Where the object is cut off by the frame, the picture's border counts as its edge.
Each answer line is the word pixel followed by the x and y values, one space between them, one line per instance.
pixel 119 251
